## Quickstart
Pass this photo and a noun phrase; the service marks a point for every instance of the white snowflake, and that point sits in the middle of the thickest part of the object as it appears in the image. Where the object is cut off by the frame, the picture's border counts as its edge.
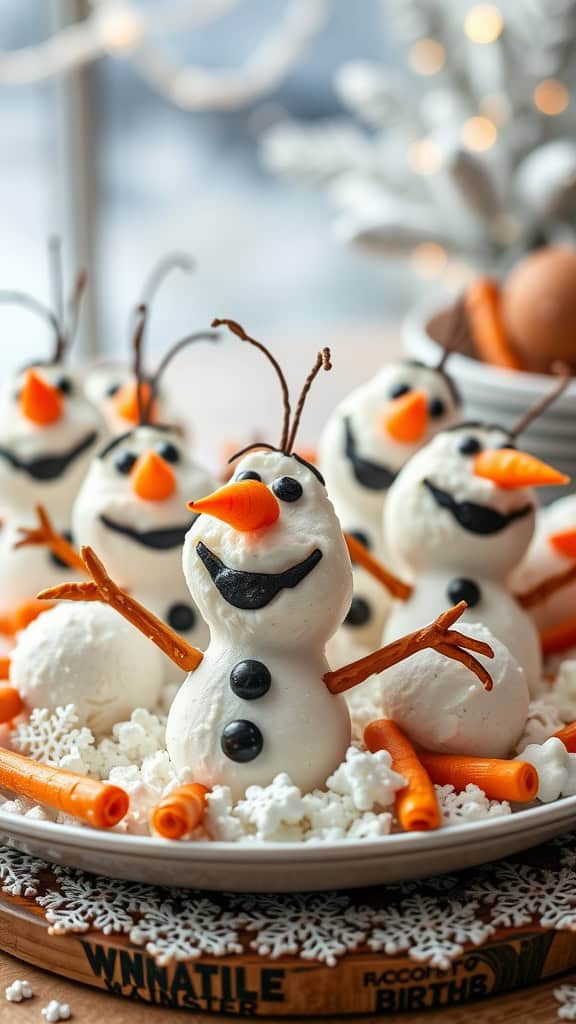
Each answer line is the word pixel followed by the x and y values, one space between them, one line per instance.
pixel 85 902
pixel 54 737
pixel 172 931
pixel 319 926
pixel 428 929
pixel 519 894
pixel 566 996
pixel 19 872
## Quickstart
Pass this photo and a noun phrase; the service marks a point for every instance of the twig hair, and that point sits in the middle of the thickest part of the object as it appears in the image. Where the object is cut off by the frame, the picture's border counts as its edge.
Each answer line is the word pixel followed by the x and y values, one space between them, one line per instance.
pixel 289 430
pixel 536 410
pixel 172 261
pixel 177 347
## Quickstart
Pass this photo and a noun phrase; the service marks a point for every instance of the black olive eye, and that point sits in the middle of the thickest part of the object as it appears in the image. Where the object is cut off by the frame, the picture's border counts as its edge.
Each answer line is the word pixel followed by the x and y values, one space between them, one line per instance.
pixel 248 475
pixel 397 390
pixel 168 451
pixel 436 408
pixel 65 385
pixel 469 446
pixel 124 462
pixel 287 489
pixel 112 390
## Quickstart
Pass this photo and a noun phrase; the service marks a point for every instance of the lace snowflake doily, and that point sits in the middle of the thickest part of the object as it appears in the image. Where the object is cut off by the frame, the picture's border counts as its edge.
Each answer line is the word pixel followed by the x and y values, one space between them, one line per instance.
pixel 432 921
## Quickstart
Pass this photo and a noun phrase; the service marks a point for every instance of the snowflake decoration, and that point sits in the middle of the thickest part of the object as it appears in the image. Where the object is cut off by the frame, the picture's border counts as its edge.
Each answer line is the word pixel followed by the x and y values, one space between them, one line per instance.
pixel 428 929
pixel 566 996
pixel 320 926
pixel 85 902
pixel 52 736
pixel 19 872
pixel 174 931
pixel 519 894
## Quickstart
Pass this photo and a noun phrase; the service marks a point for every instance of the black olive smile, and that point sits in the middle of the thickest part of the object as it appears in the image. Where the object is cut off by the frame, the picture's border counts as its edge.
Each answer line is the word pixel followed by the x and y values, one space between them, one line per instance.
pixel 161 540
pixel 475 518
pixel 49 467
pixel 372 475
pixel 253 590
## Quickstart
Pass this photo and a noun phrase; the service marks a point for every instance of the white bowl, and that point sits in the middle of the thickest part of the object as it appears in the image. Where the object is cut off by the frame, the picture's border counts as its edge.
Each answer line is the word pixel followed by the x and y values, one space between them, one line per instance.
pixel 496 395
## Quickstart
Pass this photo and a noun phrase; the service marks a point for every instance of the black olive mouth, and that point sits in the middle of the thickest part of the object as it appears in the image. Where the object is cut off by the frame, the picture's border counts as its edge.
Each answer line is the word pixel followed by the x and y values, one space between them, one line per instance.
pixel 49 467
pixel 250 591
pixel 164 539
pixel 472 517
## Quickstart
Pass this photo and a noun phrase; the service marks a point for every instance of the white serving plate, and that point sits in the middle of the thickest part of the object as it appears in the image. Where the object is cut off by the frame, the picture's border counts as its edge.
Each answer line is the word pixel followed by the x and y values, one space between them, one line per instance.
pixel 288 867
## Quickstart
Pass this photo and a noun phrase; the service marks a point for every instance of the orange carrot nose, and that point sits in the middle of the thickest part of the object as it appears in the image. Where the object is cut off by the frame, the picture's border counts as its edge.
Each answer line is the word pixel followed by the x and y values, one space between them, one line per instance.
pixel 406 418
pixel 564 542
pixel 39 400
pixel 509 468
pixel 246 505
pixel 125 401
pixel 152 478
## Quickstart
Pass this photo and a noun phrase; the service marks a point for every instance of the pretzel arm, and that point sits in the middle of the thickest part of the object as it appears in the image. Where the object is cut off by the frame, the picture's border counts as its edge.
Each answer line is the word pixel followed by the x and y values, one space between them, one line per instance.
pixel 103 588
pixel 545 589
pixel 359 553
pixel 46 534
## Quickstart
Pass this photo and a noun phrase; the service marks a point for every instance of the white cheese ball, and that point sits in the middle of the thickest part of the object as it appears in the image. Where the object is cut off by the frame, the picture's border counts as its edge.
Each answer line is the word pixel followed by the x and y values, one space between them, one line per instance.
pixel 89 656
pixel 443 707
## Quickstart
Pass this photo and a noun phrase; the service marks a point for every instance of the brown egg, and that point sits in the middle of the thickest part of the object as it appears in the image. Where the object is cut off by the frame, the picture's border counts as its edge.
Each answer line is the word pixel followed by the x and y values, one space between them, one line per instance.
pixel 539 308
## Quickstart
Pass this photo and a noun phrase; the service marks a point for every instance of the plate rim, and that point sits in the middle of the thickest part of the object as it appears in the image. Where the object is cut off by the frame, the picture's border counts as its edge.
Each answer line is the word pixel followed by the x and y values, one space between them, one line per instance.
pixel 406 843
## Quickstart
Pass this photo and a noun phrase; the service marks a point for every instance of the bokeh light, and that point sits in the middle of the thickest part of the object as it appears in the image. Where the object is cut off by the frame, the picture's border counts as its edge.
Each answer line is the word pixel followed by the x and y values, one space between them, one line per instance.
pixel 479 134
pixel 424 157
pixel 427 57
pixel 551 97
pixel 483 23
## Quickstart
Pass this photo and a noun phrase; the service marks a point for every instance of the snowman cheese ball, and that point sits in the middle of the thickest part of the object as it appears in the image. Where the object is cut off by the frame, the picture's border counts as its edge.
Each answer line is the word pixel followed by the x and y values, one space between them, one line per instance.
pixel 460 517
pixel 132 509
pixel 553 549
pixel 111 386
pixel 367 440
pixel 48 434
pixel 267 564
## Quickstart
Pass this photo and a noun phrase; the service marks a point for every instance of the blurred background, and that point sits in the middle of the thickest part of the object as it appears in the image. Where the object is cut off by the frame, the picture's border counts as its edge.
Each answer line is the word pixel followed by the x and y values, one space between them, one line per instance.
pixel 326 162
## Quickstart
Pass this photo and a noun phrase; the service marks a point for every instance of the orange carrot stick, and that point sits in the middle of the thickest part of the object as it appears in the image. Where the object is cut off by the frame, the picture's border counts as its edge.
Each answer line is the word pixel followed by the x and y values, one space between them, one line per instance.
pixel 416 805
pixel 559 638
pixel 180 812
pixel 499 779
pixel 568 737
pixel 97 803
pixel 359 553
pixel 483 308
pixel 5 667
pixel 10 703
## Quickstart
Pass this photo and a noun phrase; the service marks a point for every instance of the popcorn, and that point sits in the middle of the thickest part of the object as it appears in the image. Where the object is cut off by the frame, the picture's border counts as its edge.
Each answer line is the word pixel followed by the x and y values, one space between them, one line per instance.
pixel 543 721
pixel 470 804
pixel 56 1011
pixel 367 778
pixel 17 991
pixel 556 769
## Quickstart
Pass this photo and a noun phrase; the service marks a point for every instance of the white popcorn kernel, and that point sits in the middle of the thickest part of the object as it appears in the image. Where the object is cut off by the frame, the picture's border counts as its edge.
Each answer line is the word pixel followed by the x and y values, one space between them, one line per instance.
pixel 18 990
pixel 56 1011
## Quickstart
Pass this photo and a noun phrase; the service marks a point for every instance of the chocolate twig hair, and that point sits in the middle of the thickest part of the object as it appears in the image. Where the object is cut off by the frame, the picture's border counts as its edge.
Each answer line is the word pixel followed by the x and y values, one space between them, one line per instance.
pixel 536 410
pixel 138 335
pixel 289 430
pixel 239 331
pixel 172 261
pixel 190 339
pixel 64 324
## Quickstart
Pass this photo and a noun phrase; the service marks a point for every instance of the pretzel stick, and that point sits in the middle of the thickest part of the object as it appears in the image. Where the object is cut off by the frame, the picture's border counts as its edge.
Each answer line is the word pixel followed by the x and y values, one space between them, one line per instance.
pixel 104 589
pixel 360 554
pixel 549 586
pixel 437 636
pixel 47 535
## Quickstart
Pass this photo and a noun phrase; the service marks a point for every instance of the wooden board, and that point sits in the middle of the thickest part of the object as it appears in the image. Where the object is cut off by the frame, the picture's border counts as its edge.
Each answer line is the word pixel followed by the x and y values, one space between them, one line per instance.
pixel 362 982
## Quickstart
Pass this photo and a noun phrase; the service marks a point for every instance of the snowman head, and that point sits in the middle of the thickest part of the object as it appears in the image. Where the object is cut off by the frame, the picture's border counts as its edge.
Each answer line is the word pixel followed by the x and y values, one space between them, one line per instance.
pixel 48 428
pixel 266 558
pixel 113 386
pixel 131 506
pixel 466 502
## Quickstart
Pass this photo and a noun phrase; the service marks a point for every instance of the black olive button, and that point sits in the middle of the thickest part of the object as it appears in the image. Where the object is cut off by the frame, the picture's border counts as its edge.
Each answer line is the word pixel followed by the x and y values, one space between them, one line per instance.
pixel 181 617
pixel 59 562
pixel 250 680
pixel 359 613
pixel 462 589
pixel 241 741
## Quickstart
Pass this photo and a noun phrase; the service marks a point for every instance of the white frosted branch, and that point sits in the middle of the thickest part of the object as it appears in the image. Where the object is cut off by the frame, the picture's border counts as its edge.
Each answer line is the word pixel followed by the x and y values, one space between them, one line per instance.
pixel 68 49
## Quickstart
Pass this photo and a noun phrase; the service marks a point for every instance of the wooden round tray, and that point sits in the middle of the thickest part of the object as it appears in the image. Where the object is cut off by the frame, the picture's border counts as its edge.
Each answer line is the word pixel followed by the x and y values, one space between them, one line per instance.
pixel 538 887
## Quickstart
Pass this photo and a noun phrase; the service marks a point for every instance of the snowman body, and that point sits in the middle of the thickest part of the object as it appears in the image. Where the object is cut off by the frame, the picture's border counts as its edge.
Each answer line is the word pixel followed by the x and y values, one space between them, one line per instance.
pixel 458 536
pixel 543 560
pixel 365 444
pixel 272 597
